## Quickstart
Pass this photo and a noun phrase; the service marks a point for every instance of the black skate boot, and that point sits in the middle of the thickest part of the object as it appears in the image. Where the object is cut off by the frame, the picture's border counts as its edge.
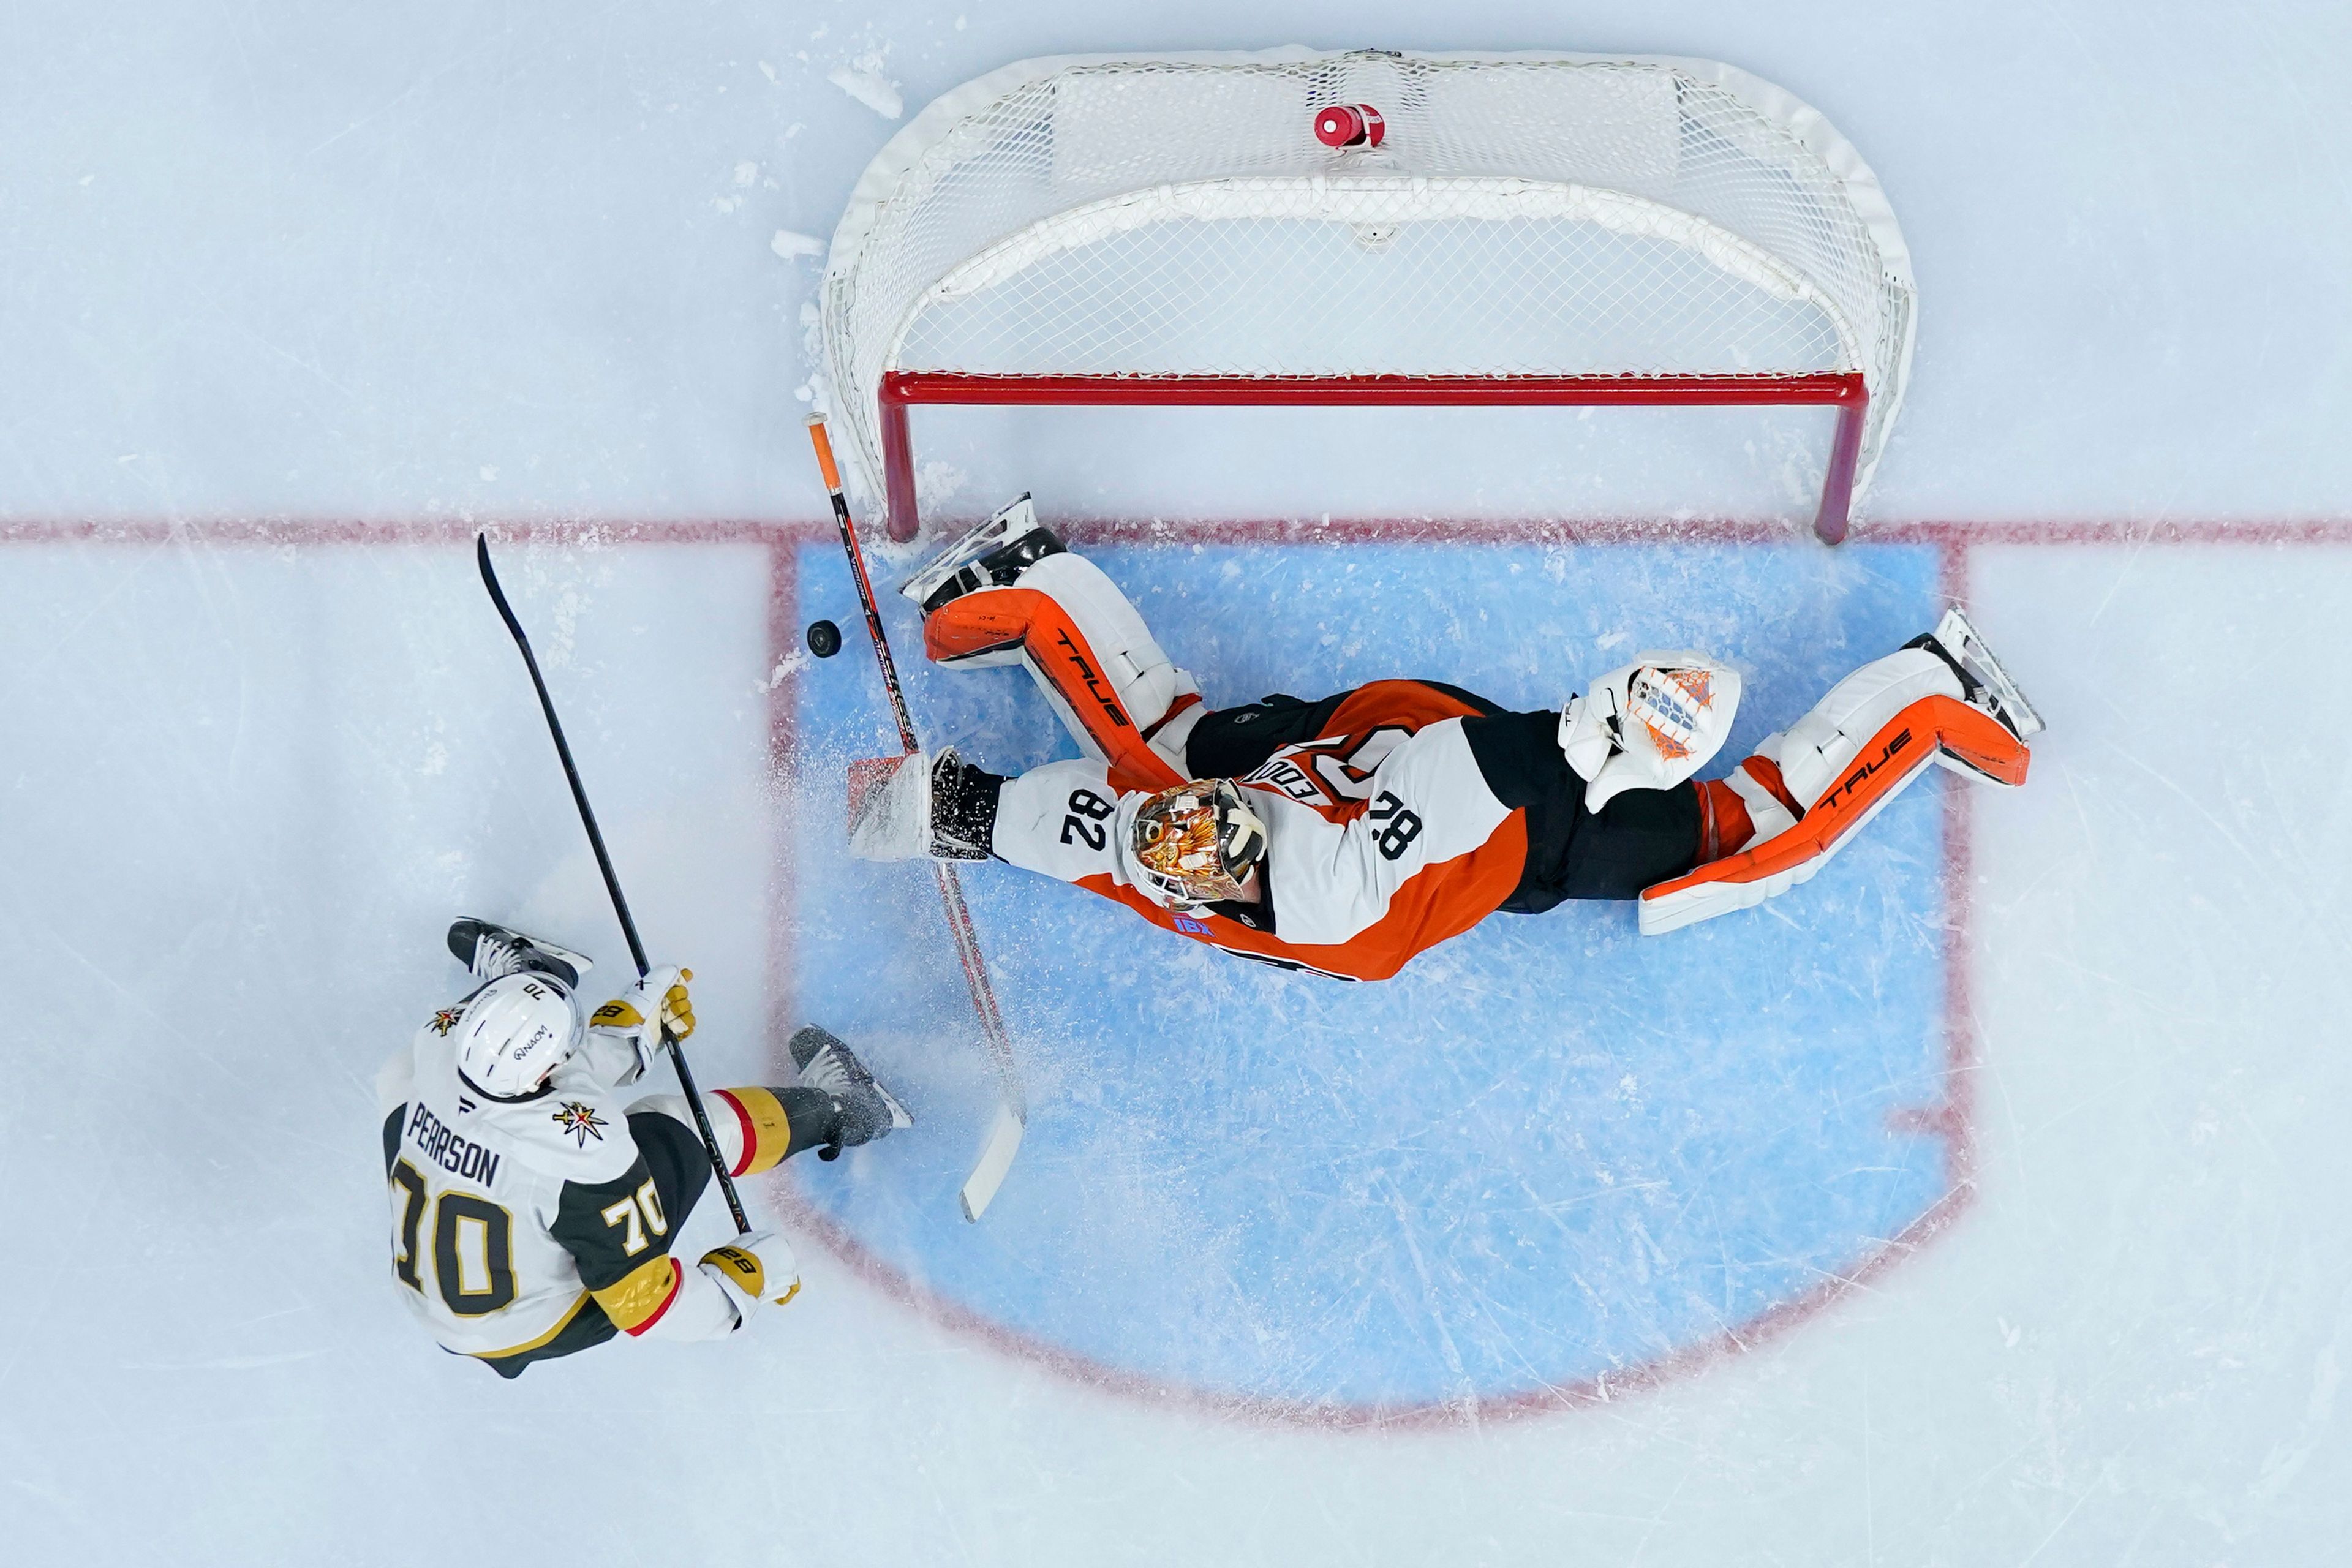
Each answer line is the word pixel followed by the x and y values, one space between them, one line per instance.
pixel 492 951
pixel 868 1110
pixel 991 556
pixel 1984 684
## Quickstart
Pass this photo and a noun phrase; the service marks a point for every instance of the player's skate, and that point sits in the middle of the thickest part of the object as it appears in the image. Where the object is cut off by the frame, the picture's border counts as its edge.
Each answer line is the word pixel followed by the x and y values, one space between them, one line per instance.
pixel 1988 686
pixel 916 806
pixel 868 1110
pixel 992 555
pixel 490 952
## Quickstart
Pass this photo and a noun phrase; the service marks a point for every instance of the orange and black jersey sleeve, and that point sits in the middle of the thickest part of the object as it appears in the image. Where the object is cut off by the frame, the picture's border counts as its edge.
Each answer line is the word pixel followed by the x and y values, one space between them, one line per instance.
pixel 1233 743
pixel 618 1234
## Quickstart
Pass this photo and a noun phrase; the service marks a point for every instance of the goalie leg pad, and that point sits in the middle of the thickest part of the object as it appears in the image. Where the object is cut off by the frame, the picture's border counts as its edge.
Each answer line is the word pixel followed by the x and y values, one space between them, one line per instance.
pixel 1879 771
pixel 1744 809
pixel 1109 682
pixel 1820 748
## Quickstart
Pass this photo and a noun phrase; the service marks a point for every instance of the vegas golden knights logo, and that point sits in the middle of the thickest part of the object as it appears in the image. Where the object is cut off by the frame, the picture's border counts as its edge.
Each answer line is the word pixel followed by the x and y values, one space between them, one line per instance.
pixel 446 1020
pixel 580 1120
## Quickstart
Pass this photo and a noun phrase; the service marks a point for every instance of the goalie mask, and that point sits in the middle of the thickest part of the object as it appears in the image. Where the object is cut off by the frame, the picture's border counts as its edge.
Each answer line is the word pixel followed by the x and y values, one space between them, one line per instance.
pixel 1197 843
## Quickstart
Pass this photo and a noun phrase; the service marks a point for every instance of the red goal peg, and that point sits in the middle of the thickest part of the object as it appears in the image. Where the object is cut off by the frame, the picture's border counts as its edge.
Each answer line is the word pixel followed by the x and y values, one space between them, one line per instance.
pixel 1351 125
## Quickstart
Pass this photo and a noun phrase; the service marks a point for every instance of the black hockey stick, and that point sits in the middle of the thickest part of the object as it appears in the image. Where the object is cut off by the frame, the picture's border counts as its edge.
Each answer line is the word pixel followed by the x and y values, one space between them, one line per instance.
pixel 1012 1113
pixel 611 882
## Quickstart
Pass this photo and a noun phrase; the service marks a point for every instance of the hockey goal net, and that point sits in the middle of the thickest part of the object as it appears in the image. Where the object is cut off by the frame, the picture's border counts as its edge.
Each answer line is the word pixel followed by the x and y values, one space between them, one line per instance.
pixel 1528 229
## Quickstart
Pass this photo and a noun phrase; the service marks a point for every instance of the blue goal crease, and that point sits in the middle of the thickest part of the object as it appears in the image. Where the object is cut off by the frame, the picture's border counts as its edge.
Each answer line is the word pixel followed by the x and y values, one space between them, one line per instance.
pixel 1549 1150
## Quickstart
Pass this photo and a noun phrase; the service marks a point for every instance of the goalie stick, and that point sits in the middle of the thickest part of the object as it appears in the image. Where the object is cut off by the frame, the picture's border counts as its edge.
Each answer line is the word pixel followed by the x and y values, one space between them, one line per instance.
pixel 1013 1113
pixel 611 882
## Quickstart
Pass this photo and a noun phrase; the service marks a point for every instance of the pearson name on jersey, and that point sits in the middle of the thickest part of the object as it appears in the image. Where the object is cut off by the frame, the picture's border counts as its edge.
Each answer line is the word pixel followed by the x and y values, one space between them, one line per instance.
pixel 514 1223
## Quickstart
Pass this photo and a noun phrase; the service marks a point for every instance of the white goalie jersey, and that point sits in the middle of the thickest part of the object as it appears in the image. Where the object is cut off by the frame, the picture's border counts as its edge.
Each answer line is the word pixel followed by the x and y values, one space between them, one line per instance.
pixel 1383 837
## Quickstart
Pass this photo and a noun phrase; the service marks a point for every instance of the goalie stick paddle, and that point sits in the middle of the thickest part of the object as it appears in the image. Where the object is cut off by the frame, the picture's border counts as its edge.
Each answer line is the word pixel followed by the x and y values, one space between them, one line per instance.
pixel 611 882
pixel 1013 1113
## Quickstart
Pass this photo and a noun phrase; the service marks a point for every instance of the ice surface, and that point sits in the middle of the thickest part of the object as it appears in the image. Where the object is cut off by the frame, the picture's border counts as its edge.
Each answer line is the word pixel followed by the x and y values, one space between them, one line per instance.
pixel 1981 1203
pixel 1550 1152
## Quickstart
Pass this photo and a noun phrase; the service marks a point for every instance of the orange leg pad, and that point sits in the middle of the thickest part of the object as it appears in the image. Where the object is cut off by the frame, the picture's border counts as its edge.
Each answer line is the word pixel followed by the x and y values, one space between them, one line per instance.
pixel 1894 757
pixel 1061 657
pixel 982 623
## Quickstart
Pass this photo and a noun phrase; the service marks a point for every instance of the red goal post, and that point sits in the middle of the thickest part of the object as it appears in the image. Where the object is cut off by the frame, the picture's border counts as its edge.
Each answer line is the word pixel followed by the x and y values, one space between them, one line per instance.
pixel 1532 230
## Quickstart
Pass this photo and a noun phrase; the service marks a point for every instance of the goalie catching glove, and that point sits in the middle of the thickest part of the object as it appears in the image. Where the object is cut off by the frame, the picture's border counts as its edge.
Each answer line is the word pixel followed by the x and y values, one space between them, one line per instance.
pixel 1650 725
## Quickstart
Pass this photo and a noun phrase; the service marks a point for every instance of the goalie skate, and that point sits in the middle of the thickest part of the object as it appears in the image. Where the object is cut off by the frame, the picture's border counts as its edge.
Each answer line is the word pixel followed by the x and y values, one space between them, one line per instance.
pixel 991 555
pixel 1988 685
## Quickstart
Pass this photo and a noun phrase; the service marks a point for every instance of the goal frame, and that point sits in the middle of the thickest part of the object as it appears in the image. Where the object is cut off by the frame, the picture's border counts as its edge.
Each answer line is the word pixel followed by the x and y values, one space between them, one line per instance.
pixel 876 397
pixel 901 389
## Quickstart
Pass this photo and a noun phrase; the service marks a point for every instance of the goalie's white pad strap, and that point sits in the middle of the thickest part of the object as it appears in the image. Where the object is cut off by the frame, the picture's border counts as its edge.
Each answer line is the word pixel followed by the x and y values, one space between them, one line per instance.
pixel 1765 812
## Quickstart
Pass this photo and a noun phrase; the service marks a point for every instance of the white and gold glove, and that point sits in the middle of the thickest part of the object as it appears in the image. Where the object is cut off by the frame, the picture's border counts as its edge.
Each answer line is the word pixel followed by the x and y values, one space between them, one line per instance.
pixel 638 1016
pixel 754 1269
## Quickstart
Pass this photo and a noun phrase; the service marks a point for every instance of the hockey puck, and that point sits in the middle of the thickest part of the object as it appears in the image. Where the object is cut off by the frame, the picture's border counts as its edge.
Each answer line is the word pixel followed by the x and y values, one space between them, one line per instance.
pixel 824 638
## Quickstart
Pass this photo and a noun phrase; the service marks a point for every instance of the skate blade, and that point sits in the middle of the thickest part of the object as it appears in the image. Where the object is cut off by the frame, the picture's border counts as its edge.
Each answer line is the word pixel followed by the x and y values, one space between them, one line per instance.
pixel 579 962
pixel 1960 635
pixel 1009 523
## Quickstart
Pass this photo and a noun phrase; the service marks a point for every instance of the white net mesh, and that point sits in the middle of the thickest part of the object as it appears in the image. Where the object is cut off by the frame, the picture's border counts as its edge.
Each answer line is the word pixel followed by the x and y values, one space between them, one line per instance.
pixel 1525 216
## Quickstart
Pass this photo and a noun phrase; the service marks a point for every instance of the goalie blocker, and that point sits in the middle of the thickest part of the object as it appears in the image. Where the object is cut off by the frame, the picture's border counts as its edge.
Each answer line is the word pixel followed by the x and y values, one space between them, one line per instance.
pixel 1400 813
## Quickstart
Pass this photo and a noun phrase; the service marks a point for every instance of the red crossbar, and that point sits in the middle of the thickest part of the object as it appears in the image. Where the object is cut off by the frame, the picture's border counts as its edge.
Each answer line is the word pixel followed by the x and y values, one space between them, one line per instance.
pixel 901 389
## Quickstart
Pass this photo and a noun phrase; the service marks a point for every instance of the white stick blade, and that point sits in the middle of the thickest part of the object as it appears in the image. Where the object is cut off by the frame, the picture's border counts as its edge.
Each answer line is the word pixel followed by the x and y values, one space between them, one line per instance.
pixel 995 1160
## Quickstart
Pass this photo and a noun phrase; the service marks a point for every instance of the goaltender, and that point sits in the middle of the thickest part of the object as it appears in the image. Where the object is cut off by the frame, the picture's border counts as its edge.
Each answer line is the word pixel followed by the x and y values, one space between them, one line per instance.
pixel 1344 836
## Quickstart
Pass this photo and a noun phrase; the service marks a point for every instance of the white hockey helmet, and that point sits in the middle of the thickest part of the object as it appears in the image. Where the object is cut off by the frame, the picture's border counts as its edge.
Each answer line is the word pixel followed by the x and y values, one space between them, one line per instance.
pixel 517 1030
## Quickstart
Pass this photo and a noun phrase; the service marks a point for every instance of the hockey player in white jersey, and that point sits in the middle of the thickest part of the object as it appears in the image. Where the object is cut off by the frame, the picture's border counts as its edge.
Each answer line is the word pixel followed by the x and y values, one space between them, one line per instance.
pixel 1347 834
pixel 533 1202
